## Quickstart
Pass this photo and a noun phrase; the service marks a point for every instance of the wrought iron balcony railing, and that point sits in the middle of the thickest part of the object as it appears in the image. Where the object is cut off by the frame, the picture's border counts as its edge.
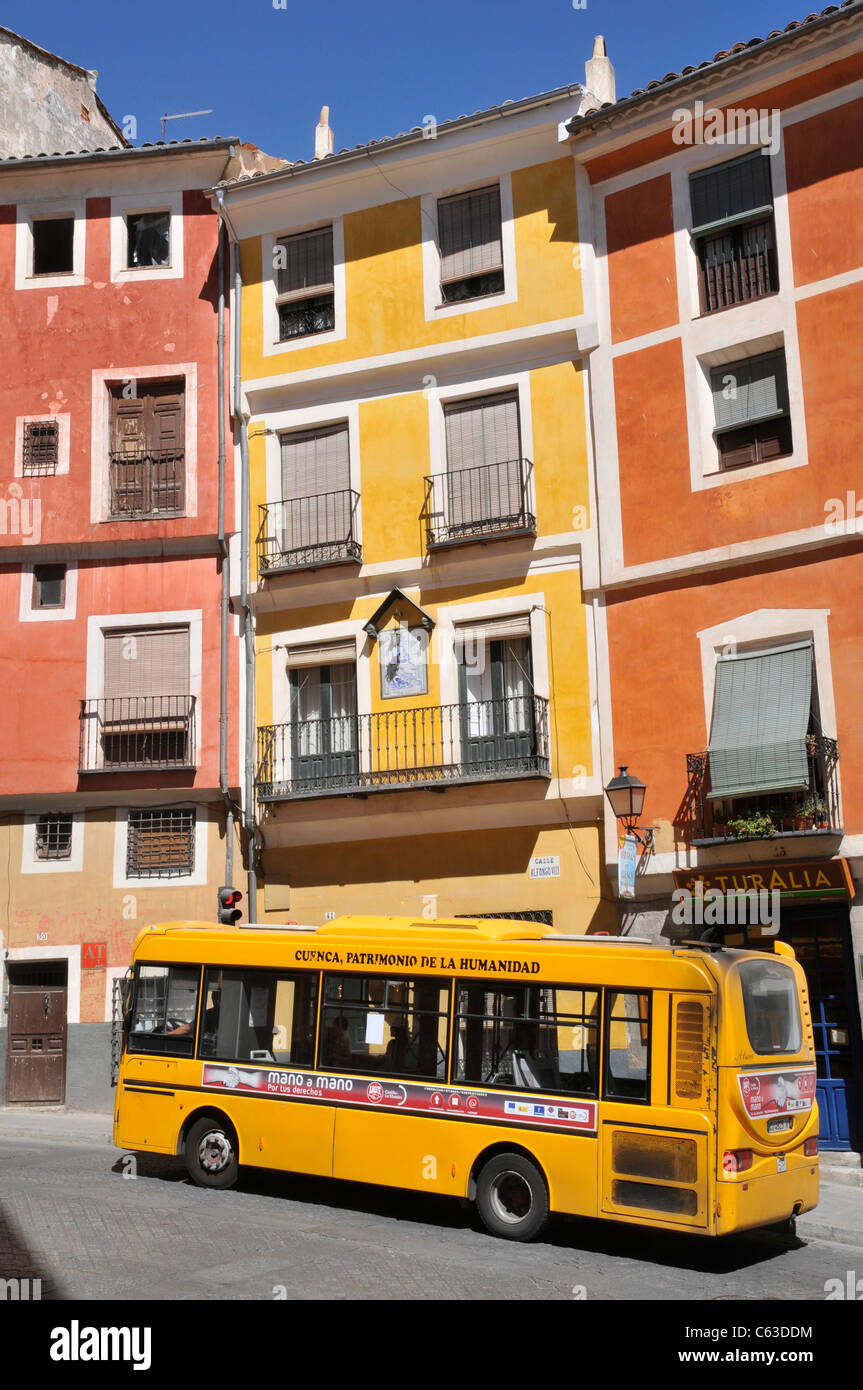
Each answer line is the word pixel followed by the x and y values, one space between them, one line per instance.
pixel 467 504
pixel 305 532
pixel 147 484
pixel 738 265
pixel 427 746
pixel 807 811
pixel 137 731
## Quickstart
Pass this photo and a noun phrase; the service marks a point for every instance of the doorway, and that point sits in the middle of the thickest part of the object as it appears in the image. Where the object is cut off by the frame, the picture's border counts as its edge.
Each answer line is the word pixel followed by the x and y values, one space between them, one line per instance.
pixel 36 1033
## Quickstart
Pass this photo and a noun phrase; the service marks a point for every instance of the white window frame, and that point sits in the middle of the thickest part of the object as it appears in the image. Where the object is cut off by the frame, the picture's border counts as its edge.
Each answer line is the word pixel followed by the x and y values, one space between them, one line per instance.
pixel 196 879
pixel 433 300
pixel 272 345
pixel 100 434
pixel 125 206
pixel 30 864
pixel 439 396
pixel 64 421
pixel 28 614
pixel 27 214
pixel 706 469
pixel 18 955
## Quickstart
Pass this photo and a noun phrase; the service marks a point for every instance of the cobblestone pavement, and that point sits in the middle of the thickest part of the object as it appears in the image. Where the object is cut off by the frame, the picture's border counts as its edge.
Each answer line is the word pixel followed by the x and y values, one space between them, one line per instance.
pixel 70 1217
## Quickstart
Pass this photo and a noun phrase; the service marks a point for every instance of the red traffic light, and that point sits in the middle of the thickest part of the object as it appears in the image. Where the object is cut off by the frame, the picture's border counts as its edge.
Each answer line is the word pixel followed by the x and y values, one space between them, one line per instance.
pixel 229 913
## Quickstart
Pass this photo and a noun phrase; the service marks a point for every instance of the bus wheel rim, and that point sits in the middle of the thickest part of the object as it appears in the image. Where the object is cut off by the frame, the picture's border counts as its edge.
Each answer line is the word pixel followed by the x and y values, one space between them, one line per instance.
pixel 214 1152
pixel 511 1197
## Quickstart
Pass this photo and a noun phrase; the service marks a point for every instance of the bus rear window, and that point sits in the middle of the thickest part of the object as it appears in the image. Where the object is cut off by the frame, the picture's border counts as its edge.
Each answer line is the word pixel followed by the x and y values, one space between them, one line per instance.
pixel 771 1007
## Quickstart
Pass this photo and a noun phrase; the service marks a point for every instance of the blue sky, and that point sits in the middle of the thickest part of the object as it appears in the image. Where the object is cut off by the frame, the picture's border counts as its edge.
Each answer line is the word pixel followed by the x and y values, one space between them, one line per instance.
pixel 381 65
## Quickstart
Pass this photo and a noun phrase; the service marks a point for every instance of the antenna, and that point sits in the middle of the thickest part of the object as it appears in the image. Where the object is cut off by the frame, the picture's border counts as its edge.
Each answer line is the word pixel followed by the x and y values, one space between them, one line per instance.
pixel 183 116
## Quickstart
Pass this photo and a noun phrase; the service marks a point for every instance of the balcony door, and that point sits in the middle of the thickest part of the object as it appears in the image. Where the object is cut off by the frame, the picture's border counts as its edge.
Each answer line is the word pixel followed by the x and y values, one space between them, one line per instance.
pixel 315 520
pixel 145 715
pixel 148 476
pixel 484 468
pixel 324 743
pixel 497 706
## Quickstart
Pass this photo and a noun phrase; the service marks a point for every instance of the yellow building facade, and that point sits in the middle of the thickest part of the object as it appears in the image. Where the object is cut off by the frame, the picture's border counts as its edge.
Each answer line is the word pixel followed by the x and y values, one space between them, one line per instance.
pixel 414 345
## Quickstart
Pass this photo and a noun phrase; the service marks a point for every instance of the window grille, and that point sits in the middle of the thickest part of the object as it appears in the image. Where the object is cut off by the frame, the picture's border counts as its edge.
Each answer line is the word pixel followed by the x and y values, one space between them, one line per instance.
pixel 161 844
pixel 41 448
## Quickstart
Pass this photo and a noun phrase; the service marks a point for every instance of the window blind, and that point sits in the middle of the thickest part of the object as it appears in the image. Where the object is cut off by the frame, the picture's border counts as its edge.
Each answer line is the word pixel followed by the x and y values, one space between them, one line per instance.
pixel 470 234
pixel 761 707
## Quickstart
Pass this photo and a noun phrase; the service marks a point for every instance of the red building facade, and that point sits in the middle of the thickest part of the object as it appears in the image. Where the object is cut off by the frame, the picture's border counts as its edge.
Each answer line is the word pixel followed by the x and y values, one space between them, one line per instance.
pixel 119 749
pixel 723 205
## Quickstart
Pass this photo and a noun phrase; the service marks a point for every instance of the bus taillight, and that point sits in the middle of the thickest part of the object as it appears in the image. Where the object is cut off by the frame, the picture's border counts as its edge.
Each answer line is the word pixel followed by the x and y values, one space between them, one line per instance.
pixel 737 1160
pixel 810 1148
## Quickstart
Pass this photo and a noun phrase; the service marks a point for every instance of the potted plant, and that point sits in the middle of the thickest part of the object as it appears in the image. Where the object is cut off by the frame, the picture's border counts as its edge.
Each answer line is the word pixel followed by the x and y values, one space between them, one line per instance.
pixel 754 825
pixel 811 745
pixel 815 809
pixel 802 819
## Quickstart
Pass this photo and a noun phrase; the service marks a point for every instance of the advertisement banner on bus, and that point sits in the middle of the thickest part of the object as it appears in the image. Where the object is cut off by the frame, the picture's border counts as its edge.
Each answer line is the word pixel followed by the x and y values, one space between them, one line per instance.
pixel 777 1093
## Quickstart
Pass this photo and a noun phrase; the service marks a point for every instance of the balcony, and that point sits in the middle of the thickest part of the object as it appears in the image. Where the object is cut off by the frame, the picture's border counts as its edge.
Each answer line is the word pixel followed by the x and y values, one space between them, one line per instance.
pixel 306 532
pixel 147 485
pixel 471 504
pixel 813 810
pixel 137 732
pixel 737 265
pixel 434 746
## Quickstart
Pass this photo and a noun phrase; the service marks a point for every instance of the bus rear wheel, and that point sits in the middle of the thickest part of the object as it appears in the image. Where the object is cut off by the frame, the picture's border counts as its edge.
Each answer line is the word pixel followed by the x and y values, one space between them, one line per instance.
pixel 511 1197
pixel 210 1154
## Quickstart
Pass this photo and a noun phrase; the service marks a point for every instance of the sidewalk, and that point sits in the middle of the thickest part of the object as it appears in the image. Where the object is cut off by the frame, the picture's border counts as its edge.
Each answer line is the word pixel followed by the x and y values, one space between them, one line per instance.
pixel 838 1216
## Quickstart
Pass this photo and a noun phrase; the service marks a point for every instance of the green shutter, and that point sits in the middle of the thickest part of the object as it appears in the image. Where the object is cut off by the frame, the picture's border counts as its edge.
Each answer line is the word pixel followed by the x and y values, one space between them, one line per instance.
pixel 753 389
pixel 761 707
pixel 739 189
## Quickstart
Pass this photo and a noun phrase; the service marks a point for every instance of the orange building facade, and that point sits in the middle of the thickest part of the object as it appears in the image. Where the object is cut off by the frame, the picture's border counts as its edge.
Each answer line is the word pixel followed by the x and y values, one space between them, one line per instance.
pixel 118 750
pixel 724 207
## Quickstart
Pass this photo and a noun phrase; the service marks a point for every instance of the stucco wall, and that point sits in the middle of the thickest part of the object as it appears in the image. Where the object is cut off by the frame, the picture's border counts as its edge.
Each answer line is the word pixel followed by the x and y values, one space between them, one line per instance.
pixel 42 105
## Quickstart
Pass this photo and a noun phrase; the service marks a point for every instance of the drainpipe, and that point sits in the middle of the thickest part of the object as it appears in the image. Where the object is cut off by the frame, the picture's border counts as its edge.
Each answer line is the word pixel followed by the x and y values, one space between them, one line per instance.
pixel 226 597
pixel 248 633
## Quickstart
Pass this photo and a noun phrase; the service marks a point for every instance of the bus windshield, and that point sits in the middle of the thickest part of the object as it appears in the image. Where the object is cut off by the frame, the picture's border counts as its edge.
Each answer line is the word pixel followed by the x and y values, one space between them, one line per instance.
pixel 771 1007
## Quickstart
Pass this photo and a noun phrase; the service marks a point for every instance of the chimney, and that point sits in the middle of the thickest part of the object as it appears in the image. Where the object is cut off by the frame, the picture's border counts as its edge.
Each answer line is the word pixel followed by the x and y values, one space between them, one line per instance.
pixel 599 76
pixel 323 135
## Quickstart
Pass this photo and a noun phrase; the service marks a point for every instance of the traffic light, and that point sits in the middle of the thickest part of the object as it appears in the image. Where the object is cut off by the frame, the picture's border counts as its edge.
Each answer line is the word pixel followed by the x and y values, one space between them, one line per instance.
pixel 229 913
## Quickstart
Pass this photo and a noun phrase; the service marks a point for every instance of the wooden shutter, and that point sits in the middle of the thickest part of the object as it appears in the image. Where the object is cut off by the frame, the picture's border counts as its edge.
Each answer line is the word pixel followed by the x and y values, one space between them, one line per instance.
pixel 470 234
pixel 308 268
pixel 315 462
pixel 147 661
pixel 128 423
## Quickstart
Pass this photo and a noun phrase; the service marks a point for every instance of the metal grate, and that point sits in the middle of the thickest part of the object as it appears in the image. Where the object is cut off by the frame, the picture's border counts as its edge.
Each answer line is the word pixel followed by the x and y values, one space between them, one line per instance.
pixel 811 810
pixel 147 484
pixel 542 916
pixel 54 836
pixel 304 532
pixel 41 448
pixel 467 504
pixel 161 844
pixel 137 731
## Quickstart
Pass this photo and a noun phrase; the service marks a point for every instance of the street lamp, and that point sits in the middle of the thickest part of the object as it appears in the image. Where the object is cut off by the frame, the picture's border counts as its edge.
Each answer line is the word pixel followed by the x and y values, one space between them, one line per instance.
pixel 626 795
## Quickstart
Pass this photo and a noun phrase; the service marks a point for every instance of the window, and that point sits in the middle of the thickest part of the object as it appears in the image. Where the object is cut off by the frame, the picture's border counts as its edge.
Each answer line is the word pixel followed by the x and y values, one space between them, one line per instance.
pixel 145 718
pixel 40 448
pixel 627 1046
pixel 148 450
pixel 397 1027
pixel 486 476
pixel 750 400
pixel 470 243
pixel 49 586
pixel 497 701
pixel 771 1007
pixel 54 836
pixel 732 217
pixel 165 1009
pixel 259 1016
pixel 315 520
pixel 148 239
pixel 528 1036
pixel 53 241
pixel 161 844
pixel 324 741
pixel 305 287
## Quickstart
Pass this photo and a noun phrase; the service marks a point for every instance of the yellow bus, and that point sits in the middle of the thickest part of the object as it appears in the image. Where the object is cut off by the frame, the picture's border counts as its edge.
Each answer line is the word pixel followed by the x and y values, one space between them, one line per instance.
pixel 495 1061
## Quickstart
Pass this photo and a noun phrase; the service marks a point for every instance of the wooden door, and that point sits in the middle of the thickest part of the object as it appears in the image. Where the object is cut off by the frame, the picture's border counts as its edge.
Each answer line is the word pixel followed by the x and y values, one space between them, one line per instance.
pixel 36 1044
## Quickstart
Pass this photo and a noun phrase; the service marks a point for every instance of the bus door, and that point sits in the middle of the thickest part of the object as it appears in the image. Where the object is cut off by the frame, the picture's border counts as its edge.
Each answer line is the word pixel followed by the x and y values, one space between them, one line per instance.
pixel 659 1092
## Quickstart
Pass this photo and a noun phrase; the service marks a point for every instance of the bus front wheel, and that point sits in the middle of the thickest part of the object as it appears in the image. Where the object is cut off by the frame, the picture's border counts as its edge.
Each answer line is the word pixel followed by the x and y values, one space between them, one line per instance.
pixel 511 1197
pixel 210 1154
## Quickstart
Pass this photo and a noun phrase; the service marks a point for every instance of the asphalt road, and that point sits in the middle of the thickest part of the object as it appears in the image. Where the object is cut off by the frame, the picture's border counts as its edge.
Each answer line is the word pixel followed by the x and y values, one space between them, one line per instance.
pixel 70 1217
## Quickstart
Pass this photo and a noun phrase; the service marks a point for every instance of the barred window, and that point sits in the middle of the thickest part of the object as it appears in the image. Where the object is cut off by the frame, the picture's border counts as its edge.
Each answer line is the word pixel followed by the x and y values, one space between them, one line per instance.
pixel 54 836
pixel 528 1037
pixel 161 844
pixel 41 448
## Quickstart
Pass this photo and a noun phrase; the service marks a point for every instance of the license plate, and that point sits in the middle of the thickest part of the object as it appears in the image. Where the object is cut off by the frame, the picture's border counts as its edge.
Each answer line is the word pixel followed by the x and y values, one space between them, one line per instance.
pixel 778 1126
pixel 781 1163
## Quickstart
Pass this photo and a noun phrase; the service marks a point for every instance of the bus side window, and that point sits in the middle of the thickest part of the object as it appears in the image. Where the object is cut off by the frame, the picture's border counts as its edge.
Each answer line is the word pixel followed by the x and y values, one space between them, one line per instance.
pixel 165 1008
pixel 627 1046
pixel 528 1037
pixel 258 1016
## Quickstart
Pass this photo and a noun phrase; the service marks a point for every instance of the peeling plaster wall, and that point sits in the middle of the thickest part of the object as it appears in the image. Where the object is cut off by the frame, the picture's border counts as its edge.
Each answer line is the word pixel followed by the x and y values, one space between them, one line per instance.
pixel 41 105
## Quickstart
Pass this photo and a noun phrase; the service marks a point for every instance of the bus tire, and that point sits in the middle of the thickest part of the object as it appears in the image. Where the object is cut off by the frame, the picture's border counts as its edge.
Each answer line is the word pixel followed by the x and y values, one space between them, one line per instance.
pixel 512 1197
pixel 210 1153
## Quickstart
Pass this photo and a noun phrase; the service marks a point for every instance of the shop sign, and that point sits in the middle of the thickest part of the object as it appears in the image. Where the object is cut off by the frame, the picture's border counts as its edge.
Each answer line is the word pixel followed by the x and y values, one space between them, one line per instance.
pixel 820 878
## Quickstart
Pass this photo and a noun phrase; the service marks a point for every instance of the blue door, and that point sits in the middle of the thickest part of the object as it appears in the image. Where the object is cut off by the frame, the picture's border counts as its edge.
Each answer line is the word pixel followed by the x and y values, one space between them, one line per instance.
pixel 821 941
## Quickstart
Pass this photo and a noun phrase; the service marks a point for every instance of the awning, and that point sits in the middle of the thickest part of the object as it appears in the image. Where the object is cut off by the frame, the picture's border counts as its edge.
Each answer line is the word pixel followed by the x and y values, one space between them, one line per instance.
pixel 761 707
